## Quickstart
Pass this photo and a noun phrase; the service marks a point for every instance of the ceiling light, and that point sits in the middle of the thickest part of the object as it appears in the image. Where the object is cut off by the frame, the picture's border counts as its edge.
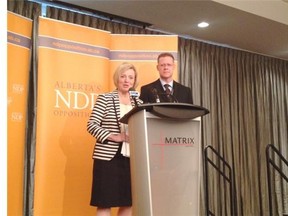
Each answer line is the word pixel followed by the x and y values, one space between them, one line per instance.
pixel 203 24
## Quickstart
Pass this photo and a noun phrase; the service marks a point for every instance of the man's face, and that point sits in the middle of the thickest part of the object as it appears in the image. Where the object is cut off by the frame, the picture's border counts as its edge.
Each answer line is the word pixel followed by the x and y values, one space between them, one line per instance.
pixel 166 67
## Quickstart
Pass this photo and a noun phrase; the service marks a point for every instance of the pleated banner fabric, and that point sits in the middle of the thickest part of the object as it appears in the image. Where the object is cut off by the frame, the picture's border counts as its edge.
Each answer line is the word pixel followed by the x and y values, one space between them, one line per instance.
pixel 76 64
pixel 19 31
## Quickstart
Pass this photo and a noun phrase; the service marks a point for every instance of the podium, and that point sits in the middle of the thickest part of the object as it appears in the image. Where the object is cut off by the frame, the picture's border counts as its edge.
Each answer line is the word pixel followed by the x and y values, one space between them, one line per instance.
pixel 165 158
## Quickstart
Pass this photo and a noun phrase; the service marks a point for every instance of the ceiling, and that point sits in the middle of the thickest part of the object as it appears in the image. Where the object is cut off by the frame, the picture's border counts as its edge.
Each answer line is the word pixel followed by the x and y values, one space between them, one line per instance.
pixel 259 26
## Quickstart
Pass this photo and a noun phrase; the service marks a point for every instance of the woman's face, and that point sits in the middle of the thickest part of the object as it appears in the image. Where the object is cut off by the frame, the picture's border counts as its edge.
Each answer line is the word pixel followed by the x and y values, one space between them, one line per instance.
pixel 126 80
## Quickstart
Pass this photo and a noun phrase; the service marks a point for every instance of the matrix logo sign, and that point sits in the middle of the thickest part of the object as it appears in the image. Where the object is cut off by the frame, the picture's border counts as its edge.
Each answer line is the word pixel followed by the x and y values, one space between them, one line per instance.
pixel 177 141
pixel 75 99
pixel 172 146
pixel 187 141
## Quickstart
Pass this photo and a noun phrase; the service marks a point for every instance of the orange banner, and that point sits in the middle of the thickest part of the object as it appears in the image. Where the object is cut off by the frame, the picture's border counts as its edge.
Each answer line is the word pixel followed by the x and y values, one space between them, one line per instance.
pixel 19 40
pixel 76 64
pixel 73 65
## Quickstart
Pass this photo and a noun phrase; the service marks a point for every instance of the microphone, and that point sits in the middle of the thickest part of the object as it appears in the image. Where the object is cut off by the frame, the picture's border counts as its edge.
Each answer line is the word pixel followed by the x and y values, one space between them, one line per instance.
pixel 133 93
pixel 171 97
pixel 155 93
pixel 174 98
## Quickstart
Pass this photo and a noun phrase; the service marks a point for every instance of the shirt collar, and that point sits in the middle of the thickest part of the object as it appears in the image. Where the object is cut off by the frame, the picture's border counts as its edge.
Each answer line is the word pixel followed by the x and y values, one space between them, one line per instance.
pixel 163 83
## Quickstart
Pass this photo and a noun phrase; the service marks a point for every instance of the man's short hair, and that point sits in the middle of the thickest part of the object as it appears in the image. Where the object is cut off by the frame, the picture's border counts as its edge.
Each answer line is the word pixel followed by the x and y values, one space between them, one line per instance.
pixel 164 55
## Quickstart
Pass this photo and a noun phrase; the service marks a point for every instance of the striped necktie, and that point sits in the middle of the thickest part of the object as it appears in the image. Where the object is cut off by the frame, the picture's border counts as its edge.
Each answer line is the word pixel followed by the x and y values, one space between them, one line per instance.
pixel 167 89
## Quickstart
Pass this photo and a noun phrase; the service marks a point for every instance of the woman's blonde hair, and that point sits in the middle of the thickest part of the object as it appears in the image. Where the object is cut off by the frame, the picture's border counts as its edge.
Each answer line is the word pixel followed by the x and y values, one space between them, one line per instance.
pixel 122 68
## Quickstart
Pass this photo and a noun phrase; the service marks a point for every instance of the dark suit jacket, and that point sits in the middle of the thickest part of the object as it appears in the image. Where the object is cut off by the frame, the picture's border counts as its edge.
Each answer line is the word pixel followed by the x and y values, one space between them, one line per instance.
pixel 149 92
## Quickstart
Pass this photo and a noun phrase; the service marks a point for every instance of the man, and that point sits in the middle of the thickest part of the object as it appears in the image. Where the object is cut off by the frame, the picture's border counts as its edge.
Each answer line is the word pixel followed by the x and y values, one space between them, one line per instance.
pixel 158 92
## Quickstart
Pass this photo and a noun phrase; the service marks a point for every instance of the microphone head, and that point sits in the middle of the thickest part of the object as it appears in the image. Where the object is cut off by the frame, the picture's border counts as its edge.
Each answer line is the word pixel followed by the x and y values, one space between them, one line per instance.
pixel 133 93
pixel 154 91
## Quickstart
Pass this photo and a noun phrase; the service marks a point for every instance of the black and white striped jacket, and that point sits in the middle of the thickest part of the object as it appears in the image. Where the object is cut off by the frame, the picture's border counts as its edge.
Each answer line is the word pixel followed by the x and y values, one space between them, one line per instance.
pixel 103 122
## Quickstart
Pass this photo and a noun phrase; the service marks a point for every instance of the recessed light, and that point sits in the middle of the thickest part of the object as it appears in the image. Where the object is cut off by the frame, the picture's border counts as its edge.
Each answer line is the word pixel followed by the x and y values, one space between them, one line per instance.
pixel 203 24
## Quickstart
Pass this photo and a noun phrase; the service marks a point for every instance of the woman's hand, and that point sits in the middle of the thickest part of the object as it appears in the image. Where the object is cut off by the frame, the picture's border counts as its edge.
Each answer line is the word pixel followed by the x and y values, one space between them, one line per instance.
pixel 121 137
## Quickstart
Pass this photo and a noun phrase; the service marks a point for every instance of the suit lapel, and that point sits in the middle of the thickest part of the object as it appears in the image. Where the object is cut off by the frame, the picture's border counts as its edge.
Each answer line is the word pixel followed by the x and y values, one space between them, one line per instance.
pixel 159 87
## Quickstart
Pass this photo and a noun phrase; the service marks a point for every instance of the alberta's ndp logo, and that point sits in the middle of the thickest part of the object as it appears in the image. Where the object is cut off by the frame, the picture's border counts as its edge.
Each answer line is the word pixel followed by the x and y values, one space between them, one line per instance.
pixel 17 117
pixel 75 99
pixel 18 88
pixel 177 141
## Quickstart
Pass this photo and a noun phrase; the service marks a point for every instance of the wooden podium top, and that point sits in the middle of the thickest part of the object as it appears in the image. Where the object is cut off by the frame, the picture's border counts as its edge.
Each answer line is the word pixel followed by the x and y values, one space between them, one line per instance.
pixel 175 111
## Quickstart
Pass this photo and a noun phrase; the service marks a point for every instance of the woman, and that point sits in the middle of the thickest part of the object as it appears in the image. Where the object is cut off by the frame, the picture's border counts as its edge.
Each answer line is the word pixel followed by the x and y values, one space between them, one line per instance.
pixel 111 186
